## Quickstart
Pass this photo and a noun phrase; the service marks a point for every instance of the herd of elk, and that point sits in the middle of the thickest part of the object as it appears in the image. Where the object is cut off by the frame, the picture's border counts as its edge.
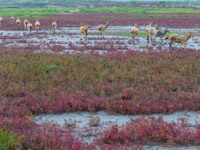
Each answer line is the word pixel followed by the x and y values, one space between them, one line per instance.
pixel 27 24
pixel 152 32
pixel 156 32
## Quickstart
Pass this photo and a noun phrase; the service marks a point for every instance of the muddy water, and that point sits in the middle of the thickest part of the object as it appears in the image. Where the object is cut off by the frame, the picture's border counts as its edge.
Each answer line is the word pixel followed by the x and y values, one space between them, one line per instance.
pixel 82 119
pixel 70 35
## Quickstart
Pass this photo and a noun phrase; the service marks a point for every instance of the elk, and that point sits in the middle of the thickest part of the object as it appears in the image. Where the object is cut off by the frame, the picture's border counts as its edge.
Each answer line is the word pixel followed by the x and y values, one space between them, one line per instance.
pixel 102 28
pixel 1 20
pixel 25 24
pixel 150 30
pixel 37 24
pixel 182 39
pixel 29 26
pixel 148 27
pixel 158 33
pixel 83 30
pixel 12 19
pixel 54 26
pixel 135 32
pixel 18 22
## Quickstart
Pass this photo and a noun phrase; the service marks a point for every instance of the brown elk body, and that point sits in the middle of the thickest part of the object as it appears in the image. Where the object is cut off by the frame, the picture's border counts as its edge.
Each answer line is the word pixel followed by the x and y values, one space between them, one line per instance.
pixel 18 22
pixel 25 24
pixel 54 26
pixel 158 33
pixel 150 31
pixel 29 26
pixel 83 31
pixel 182 39
pixel 37 25
pixel 135 32
pixel 102 28
pixel 12 19
pixel 1 21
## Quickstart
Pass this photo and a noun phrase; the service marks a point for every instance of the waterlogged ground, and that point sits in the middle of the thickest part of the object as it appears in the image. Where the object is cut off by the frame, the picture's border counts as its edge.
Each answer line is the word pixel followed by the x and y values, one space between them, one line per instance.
pixel 82 118
pixel 174 85
pixel 80 122
pixel 68 40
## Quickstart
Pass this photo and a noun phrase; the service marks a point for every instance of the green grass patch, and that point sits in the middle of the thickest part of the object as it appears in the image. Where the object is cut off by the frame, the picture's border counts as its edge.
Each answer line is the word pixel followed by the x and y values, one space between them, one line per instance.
pixel 168 33
pixel 49 69
pixel 129 33
pixel 140 33
pixel 141 12
pixel 36 12
pixel 8 140
pixel 174 10
pixel 108 17
pixel 159 16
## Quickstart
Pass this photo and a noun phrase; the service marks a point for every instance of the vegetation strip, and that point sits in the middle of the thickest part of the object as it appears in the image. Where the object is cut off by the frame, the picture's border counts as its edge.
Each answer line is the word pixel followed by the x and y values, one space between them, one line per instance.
pixel 139 11
pixel 126 83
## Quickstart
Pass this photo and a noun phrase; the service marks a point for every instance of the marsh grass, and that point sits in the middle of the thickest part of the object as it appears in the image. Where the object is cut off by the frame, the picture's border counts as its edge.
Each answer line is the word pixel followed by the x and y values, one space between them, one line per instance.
pixel 131 82
pixel 8 140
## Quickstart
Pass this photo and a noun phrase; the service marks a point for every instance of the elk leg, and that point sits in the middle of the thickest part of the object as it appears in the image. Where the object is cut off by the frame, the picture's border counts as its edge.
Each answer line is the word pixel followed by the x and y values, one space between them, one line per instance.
pixel 147 39
pixel 170 45
pixel 81 36
pixel 180 46
pixel 185 45
pixel 161 38
pixel 85 36
pixel 132 38
pixel 154 41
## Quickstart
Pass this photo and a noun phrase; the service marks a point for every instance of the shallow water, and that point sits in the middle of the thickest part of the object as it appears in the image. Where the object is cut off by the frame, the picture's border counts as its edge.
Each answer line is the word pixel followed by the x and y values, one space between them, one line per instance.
pixel 70 35
pixel 107 120
pixel 83 118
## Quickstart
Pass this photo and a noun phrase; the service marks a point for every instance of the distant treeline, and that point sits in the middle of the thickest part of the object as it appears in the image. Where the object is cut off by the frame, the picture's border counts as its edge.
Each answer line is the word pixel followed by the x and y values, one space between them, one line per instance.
pixel 92 3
